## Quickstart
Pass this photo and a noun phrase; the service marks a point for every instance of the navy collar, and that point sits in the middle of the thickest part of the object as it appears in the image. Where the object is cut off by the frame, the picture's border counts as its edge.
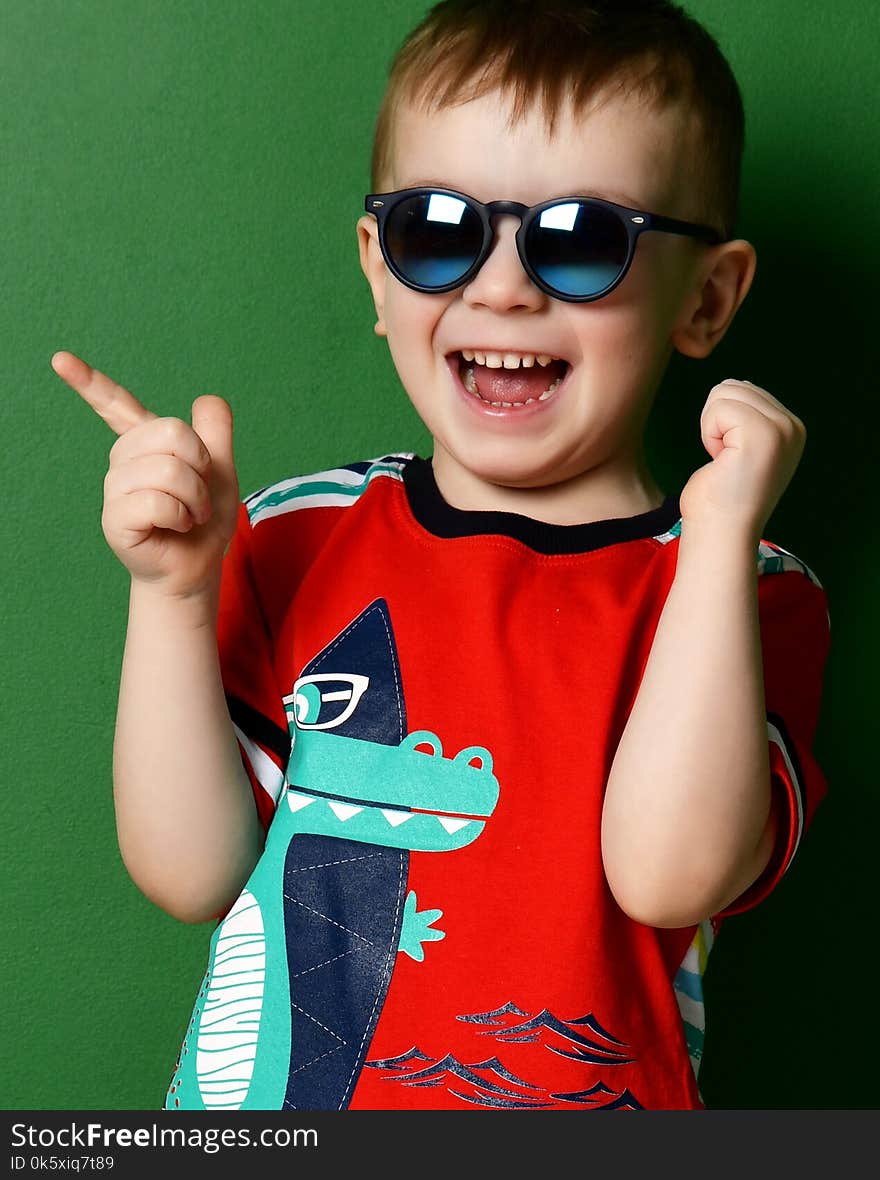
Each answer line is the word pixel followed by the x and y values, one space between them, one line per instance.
pixel 443 520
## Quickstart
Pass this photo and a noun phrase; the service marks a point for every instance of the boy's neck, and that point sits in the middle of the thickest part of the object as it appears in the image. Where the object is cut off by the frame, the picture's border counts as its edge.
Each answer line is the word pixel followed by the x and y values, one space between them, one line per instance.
pixel 620 488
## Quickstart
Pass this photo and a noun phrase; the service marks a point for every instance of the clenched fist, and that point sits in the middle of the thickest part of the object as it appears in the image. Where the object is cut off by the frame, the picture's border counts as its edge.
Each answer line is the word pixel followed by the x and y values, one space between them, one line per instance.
pixel 171 495
pixel 756 444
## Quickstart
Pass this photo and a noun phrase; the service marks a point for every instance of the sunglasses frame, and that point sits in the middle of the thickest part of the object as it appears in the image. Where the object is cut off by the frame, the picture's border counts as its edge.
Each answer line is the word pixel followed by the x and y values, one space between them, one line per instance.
pixel 634 221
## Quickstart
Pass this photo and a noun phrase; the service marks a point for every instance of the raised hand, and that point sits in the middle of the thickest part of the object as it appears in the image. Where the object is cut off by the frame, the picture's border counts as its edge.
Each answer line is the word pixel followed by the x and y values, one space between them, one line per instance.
pixel 171 494
pixel 756 445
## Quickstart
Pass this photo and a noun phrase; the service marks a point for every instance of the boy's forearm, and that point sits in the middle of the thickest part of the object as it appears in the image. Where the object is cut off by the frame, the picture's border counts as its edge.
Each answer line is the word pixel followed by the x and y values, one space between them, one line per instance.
pixel 185 815
pixel 685 821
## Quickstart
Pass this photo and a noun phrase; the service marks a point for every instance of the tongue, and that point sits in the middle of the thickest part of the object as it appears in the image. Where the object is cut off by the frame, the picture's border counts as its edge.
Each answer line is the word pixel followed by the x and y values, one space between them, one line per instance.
pixel 515 385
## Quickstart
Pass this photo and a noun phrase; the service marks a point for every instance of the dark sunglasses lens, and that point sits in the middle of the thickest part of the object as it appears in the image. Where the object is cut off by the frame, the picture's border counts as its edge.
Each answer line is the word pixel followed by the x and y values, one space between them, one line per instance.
pixel 577 249
pixel 433 239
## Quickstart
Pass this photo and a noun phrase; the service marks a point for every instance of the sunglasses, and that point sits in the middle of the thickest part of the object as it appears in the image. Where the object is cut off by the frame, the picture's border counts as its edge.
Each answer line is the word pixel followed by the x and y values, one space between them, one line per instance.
pixel 573 248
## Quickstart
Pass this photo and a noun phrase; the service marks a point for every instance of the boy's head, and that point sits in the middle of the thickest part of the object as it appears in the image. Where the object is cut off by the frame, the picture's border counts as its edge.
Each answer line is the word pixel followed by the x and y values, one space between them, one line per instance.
pixel 626 100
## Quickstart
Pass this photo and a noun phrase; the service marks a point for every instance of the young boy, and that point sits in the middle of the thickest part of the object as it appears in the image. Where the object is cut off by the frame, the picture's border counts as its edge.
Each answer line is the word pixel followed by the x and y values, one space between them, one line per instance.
pixel 521 727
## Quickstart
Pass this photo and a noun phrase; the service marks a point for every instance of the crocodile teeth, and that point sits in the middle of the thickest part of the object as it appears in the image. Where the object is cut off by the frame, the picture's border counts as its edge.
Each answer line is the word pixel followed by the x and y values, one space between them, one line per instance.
pixel 396 818
pixel 343 811
pixel 298 802
pixel 452 825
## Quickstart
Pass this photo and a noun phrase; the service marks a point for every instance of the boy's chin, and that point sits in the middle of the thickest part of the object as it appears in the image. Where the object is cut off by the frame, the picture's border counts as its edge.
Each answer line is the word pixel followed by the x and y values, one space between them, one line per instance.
pixel 508 465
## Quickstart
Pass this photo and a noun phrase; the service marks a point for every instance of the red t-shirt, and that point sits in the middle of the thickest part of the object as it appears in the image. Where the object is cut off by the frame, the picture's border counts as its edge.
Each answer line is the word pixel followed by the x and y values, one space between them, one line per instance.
pixel 428 703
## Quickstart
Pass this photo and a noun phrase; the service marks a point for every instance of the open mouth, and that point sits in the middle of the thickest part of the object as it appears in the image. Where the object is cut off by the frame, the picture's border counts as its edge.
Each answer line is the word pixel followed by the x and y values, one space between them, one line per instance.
pixel 347 808
pixel 508 380
pixel 397 796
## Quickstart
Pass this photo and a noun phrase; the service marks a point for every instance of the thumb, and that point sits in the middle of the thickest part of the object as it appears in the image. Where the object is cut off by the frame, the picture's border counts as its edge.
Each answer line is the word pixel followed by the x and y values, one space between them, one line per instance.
pixel 212 422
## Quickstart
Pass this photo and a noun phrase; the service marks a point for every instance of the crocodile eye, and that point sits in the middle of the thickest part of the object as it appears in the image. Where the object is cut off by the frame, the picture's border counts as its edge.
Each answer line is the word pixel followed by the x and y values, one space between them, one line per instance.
pixel 307 704
pixel 325 700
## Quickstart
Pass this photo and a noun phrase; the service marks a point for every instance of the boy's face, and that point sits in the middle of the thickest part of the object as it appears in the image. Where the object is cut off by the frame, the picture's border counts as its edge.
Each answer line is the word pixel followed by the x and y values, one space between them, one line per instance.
pixel 617 347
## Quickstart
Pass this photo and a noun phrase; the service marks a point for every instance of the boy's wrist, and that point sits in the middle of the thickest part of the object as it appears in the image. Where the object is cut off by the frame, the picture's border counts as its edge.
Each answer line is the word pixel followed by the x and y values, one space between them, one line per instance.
pixel 721 553
pixel 728 536
pixel 195 610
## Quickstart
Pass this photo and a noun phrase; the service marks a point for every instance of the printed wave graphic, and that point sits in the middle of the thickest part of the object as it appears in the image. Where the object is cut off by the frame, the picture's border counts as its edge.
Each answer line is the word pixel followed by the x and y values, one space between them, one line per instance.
pixel 600 1090
pixel 591 1022
pixel 399 1062
pixel 575 1044
pixel 625 1100
pixel 480 1088
pixel 478 1075
pixel 489 1083
pixel 495 1016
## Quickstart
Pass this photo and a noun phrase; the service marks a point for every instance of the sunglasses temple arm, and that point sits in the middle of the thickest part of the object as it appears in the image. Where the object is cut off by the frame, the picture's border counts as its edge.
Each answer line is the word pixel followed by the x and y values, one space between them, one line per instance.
pixel 670 225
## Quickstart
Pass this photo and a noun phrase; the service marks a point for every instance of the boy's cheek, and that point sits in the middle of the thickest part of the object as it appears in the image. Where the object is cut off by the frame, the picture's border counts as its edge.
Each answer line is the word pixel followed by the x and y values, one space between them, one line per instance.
pixel 415 370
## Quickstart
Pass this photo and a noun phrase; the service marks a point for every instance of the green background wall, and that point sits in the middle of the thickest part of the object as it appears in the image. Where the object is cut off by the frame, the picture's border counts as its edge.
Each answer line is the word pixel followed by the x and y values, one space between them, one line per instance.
pixel 159 160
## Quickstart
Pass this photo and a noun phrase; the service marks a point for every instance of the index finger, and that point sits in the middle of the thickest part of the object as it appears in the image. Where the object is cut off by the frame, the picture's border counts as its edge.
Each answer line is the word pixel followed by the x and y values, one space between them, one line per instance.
pixel 120 409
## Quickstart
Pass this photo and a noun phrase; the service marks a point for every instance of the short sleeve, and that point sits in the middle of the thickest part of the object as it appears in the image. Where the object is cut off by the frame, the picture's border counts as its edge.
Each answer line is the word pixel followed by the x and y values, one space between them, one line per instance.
pixel 795 641
pixel 254 700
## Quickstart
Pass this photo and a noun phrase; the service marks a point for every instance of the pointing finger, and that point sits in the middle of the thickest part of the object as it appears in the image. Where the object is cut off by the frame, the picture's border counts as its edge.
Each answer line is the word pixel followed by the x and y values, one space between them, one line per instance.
pixel 120 409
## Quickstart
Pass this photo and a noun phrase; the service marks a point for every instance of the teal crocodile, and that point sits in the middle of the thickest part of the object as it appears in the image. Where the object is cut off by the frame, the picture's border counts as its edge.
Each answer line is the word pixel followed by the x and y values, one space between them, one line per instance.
pixel 238 1051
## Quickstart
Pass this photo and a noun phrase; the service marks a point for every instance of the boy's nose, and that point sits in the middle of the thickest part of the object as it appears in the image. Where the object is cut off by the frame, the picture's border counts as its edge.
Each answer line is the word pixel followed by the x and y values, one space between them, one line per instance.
pixel 501 283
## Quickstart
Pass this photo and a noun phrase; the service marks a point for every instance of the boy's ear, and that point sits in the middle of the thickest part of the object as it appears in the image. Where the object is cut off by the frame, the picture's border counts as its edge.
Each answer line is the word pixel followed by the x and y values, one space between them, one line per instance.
pixel 722 281
pixel 373 266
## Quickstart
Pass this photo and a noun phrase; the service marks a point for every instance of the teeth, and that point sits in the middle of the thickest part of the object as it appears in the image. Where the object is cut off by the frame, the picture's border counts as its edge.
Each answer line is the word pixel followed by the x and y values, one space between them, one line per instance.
pixel 297 802
pixel 394 817
pixel 343 811
pixel 452 825
pixel 544 359
pixel 470 384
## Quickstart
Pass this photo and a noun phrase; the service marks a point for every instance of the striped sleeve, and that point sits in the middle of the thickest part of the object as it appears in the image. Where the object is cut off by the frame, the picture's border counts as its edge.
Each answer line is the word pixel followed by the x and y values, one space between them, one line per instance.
pixel 795 640
pixel 253 697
